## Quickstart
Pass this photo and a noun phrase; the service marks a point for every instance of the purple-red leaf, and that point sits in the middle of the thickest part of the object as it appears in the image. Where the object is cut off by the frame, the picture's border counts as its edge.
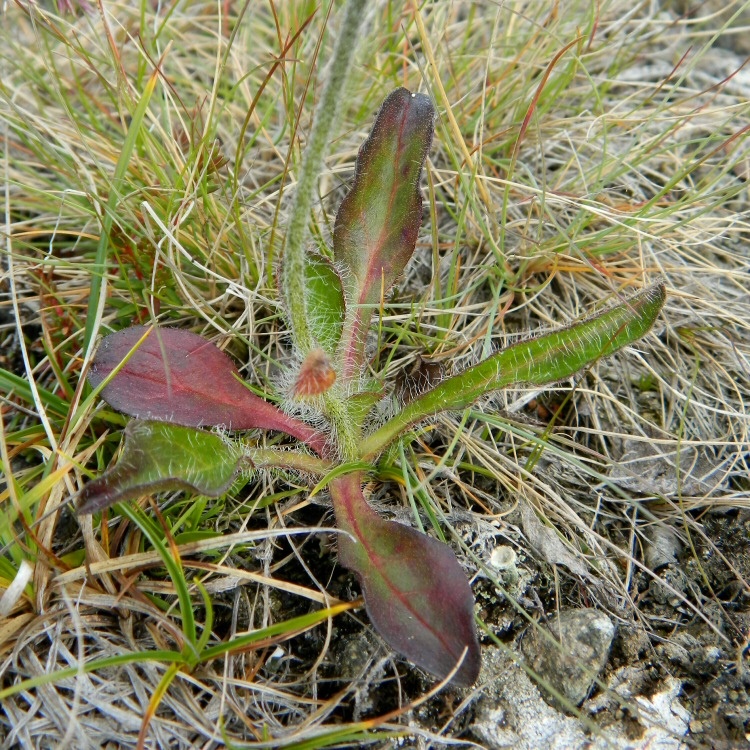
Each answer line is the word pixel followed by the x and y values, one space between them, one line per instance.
pixel 177 376
pixel 416 593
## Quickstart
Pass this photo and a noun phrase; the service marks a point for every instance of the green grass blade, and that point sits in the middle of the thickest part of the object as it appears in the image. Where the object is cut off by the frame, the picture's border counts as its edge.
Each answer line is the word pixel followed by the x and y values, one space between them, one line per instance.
pixel 349 736
pixel 173 566
pixel 98 273
pixel 208 625
pixel 286 628
pixel 12 383
pixel 167 657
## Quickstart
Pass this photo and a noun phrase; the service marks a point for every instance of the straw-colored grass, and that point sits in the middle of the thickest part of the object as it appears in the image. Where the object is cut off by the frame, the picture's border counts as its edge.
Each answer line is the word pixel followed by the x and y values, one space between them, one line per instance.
pixel 148 155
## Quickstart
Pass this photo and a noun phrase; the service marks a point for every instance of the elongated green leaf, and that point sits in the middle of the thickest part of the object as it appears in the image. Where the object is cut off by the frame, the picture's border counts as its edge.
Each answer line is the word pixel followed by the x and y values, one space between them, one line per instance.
pixel 14 385
pixel 158 456
pixel 277 632
pixel 173 564
pixel 378 221
pixel 325 301
pixel 416 593
pixel 537 361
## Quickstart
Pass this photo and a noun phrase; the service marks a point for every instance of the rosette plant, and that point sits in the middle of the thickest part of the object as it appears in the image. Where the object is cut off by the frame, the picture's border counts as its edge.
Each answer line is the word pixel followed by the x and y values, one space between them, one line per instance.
pixel 178 385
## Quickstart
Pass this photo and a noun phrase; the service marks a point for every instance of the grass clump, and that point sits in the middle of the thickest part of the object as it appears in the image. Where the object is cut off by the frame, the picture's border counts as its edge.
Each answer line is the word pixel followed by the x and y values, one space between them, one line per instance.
pixel 149 158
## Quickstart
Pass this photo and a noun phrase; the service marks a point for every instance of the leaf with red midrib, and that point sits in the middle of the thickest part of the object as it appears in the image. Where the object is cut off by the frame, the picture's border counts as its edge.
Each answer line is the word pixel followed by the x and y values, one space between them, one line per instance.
pixel 177 376
pixel 416 593
pixel 378 220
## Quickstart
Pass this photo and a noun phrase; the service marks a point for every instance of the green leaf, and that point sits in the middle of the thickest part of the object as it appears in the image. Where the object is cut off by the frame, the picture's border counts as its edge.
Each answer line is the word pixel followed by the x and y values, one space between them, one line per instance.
pixel 173 564
pixel 281 630
pixel 275 633
pixel 14 385
pixel 378 221
pixel 534 362
pixel 158 456
pixel 416 593
pixel 325 301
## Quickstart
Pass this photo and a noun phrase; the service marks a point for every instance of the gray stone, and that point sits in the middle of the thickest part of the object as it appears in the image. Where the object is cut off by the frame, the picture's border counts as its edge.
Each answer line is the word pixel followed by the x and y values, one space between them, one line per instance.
pixel 662 547
pixel 652 469
pixel 511 715
pixel 570 654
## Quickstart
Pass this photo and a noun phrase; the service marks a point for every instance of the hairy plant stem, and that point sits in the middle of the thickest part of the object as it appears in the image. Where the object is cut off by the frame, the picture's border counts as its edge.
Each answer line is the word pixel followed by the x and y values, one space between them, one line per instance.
pixel 353 337
pixel 348 432
pixel 293 274
pixel 270 458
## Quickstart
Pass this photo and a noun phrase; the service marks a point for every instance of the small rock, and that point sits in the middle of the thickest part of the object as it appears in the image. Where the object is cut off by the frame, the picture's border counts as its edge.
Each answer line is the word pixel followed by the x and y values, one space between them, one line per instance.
pixel 663 547
pixel 632 643
pixel 667 717
pixel 547 543
pixel 511 714
pixel 650 469
pixel 352 656
pixel 575 654
pixel 676 653
pixel 711 655
pixel 670 587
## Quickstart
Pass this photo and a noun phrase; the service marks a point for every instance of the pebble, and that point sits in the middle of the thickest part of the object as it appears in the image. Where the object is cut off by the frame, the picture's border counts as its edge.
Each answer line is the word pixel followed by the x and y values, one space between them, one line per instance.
pixel 573 653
